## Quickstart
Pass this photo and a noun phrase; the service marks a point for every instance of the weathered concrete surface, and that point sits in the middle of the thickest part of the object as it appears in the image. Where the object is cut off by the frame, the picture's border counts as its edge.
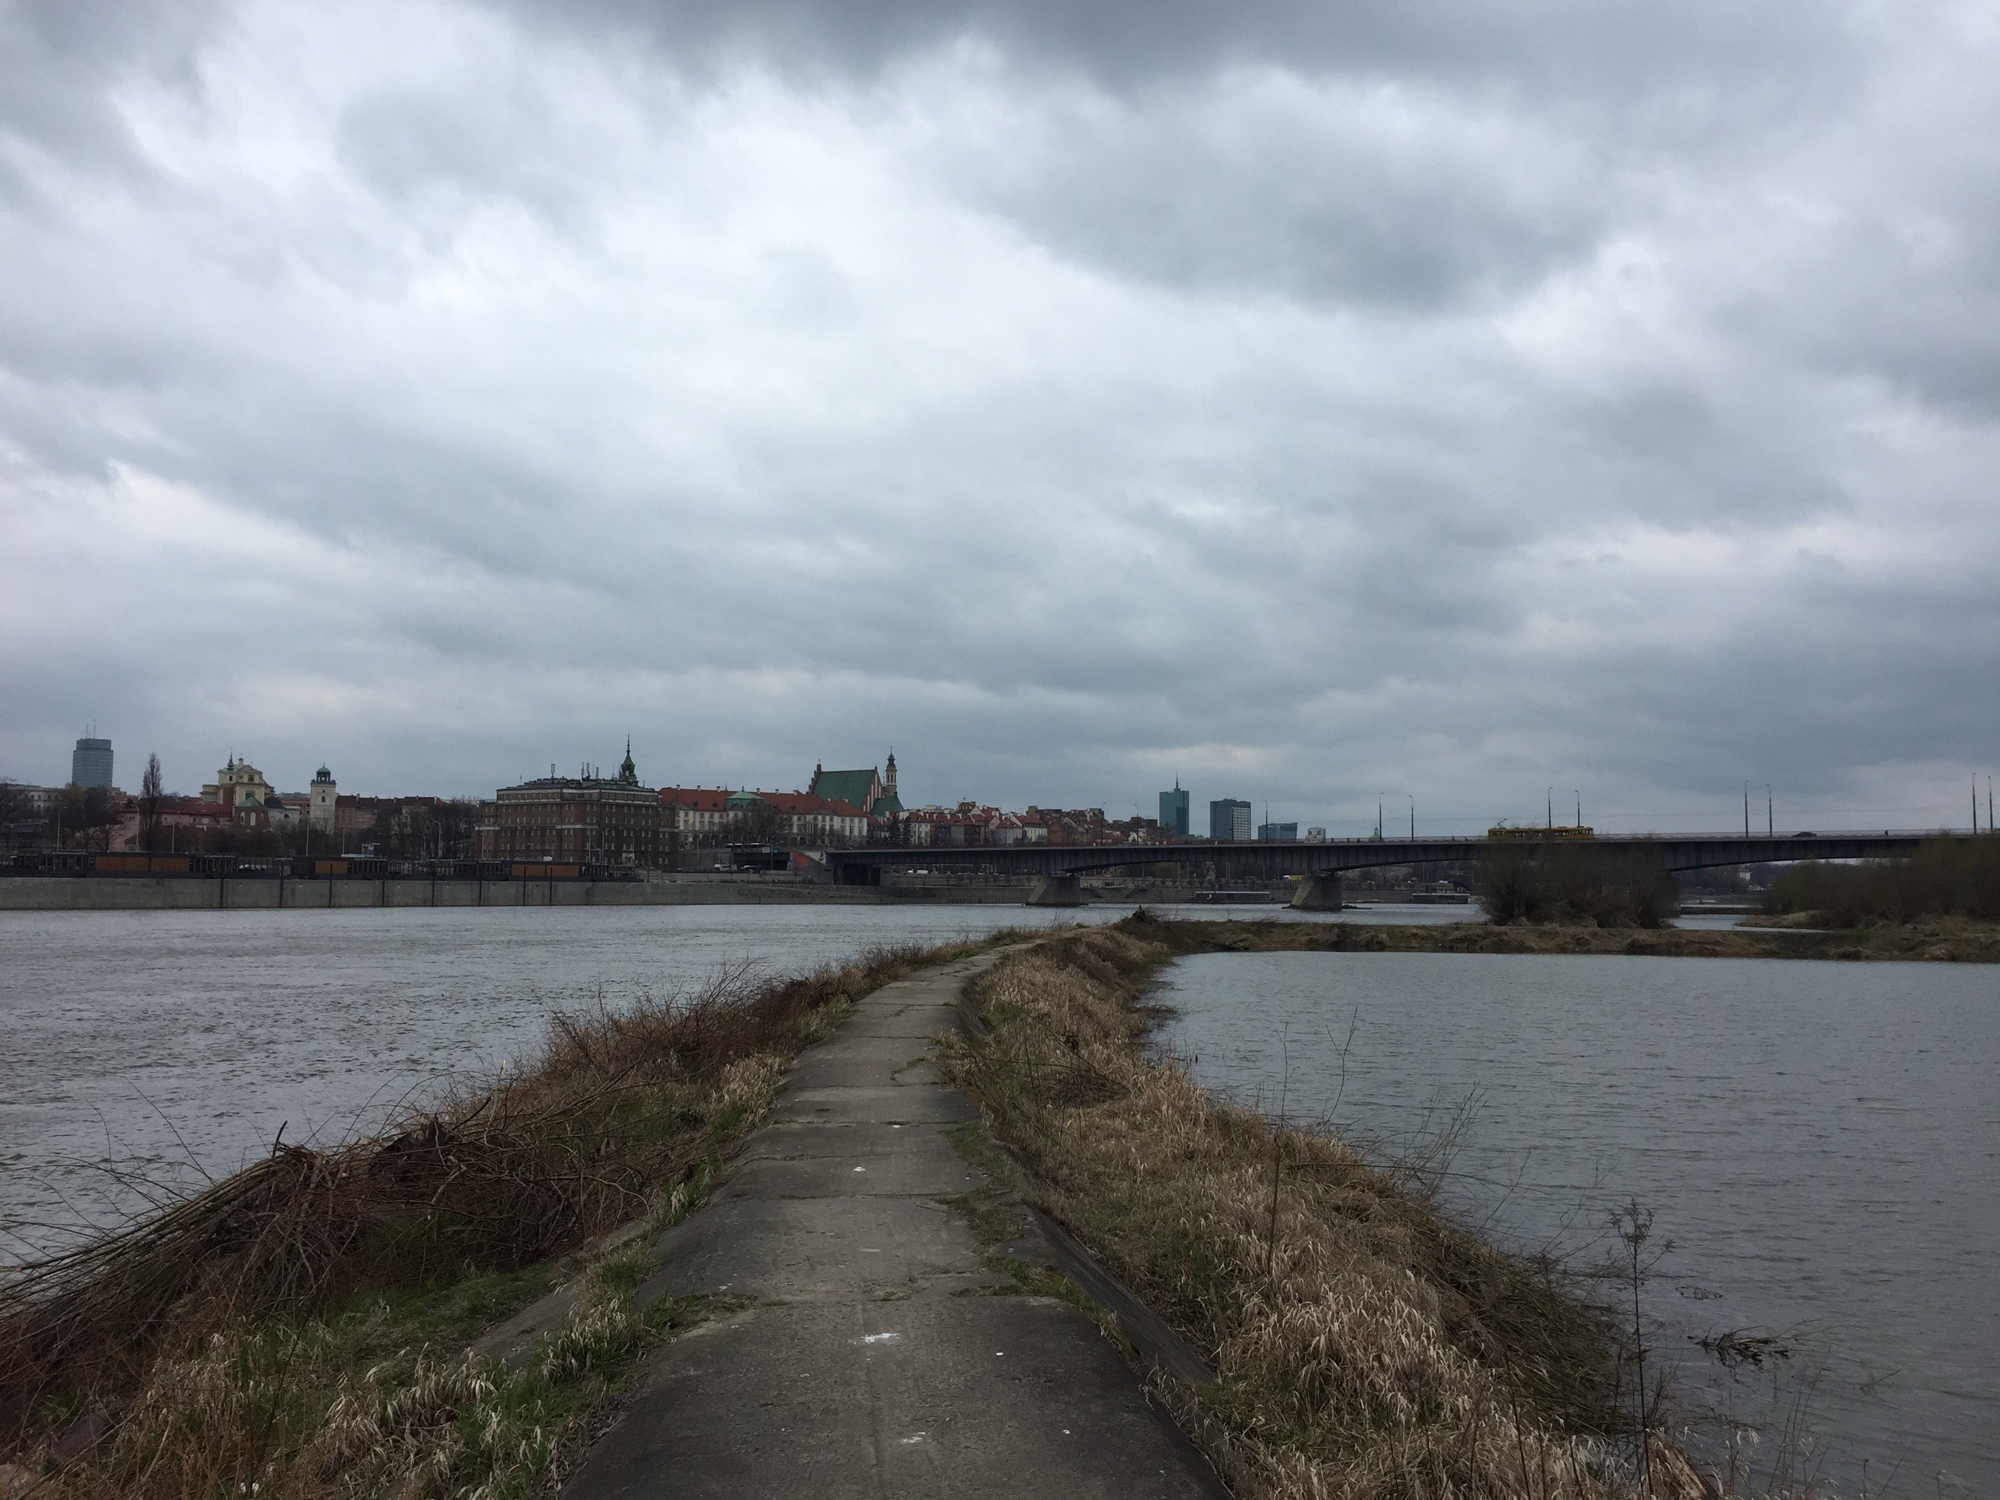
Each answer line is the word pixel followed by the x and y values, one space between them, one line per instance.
pixel 1058 890
pixel 882 1355
pixel 1320 893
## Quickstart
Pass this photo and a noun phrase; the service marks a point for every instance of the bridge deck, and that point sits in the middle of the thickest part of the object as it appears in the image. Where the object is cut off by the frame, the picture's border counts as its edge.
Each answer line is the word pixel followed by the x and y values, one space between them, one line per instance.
pixel 1686 851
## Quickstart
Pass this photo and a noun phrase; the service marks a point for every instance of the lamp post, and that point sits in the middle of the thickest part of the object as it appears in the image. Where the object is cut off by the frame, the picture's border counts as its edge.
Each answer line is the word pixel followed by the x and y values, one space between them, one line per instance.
pixel 1413 815
pixel 1579 805
pixel 1552 807
pixel 1770 818
pixel 1378 816
pixel 1746 809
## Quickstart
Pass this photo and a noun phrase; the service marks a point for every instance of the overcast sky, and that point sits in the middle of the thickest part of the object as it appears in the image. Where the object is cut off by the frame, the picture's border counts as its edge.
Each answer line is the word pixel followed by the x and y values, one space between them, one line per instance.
pixel 1315 402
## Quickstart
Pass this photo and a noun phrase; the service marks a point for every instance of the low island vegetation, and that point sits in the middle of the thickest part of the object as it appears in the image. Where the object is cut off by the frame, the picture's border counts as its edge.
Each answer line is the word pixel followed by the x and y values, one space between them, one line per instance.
pixel 1576 886
pixel 1946 881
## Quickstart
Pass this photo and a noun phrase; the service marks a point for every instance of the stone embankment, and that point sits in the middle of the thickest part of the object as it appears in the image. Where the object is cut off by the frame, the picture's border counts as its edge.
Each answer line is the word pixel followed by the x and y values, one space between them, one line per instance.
pixel 161 893
pixel 144 893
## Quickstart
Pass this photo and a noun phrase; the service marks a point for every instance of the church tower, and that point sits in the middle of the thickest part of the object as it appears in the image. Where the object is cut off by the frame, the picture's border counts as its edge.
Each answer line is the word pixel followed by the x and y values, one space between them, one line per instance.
pixel 324 811
pixel 889 776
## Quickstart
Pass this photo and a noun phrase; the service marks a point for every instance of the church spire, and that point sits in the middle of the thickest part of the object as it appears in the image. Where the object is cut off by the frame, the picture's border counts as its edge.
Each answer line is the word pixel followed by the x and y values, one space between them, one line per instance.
pixel 627 771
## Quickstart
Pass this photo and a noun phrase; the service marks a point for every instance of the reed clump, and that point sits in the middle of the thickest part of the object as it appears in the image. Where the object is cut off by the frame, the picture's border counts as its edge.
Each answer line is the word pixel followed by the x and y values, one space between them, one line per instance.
pixel 1365 1347
pixel 216 1297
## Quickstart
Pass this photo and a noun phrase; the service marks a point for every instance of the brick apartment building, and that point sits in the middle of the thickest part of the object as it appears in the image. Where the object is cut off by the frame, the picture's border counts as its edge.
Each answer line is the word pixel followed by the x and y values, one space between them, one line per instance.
pixel 576 819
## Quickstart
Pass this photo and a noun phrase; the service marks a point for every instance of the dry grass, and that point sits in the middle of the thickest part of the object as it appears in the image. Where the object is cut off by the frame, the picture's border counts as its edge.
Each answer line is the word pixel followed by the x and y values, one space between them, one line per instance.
pixel 198 1349
pixel 1366 1347
pixel 1939 940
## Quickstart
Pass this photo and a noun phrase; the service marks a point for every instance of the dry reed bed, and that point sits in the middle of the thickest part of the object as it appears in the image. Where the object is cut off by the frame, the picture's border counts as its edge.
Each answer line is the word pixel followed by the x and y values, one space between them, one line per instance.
pixel 1942 940
pixel 1366 1347
pixel 179 1353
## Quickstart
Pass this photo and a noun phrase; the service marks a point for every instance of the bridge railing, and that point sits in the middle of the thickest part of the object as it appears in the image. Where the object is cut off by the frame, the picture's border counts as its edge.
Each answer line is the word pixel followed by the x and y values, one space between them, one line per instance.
pixel 949 852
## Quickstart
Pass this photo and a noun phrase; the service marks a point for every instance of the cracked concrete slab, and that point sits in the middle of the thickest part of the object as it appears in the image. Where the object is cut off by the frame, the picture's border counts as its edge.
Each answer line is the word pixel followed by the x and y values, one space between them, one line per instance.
pixel 962 1396
pixel 882 1104
pixel 887 1355
pixel 787 1140
pixel 860 1245
pixel 896 1059
pixel 932 1173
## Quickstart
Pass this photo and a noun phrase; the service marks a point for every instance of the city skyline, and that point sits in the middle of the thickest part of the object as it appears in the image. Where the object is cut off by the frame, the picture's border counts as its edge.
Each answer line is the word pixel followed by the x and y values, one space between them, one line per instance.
pixel 1343 821
pixel 1543 400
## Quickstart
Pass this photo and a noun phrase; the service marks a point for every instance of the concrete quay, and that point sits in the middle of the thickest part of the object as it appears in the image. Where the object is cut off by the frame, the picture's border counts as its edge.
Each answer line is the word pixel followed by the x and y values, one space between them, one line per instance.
pixel 172 893
pixel 245 893
pixel 879 1348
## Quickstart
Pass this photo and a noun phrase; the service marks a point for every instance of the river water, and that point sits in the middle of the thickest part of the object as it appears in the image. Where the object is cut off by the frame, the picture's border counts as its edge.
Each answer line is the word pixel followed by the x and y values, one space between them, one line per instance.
pixel 1820 1142
pixel 143 1050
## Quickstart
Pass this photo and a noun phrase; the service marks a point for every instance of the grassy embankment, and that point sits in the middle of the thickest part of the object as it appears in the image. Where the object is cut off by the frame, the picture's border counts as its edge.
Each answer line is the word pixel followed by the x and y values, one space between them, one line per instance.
pixel 300 1329
pixel 1364 1346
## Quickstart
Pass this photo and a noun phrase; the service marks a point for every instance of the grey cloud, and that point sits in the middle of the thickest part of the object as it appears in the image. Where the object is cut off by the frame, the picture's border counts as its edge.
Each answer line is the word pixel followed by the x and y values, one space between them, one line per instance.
pixel 440 153
pixel 1577 46
pixel 58 58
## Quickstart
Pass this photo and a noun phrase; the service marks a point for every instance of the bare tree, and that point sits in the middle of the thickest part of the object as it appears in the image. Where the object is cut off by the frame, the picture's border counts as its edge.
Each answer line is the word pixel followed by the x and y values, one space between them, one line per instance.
pixel 150 795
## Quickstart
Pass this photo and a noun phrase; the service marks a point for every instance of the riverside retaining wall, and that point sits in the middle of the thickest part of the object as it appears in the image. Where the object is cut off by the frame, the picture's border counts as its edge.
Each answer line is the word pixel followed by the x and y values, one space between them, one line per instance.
pixel 168 893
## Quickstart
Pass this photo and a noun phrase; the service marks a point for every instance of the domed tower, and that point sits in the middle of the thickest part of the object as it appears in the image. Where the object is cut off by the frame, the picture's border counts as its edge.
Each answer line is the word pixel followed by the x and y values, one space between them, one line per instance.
pixel 628 770
pixel 324 811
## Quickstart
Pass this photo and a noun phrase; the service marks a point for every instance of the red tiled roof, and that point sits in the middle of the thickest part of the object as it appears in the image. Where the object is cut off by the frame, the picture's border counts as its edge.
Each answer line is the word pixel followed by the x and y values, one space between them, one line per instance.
pixel 716 799
pixel 695 798
pixel 806 802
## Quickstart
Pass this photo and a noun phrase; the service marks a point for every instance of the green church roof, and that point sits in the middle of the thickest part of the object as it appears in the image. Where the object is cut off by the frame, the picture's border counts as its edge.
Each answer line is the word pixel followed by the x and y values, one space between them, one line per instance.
pixel 845 786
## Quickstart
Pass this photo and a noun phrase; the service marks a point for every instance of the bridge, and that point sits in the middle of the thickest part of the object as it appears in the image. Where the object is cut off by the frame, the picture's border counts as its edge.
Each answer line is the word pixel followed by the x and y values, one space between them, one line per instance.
pixel 1322 863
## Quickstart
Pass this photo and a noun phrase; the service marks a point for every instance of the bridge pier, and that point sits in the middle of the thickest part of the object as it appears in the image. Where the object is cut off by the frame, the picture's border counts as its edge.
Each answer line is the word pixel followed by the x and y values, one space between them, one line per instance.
pixel 1058 890
pixel 1320 893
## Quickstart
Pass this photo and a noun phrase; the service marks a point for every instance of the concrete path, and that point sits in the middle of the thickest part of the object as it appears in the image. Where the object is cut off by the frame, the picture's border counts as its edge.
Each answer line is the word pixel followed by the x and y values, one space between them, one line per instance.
pixel 881 1354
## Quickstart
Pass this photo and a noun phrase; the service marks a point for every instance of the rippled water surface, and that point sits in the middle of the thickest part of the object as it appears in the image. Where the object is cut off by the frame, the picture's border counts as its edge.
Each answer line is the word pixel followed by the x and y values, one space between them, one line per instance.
pixel 163 1044
pixel 155 1040
pixel 1820 1141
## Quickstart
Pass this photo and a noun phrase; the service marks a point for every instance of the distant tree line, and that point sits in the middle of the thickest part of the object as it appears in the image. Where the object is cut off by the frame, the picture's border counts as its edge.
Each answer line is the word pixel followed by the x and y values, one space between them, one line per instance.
pixel 1944 878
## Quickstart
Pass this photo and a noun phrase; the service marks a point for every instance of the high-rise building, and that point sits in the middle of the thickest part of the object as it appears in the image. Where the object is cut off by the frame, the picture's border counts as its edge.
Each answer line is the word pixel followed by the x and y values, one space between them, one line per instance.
pixel 1229 818
pixel 90 763
pixel 1281 833
pixel 1174 811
